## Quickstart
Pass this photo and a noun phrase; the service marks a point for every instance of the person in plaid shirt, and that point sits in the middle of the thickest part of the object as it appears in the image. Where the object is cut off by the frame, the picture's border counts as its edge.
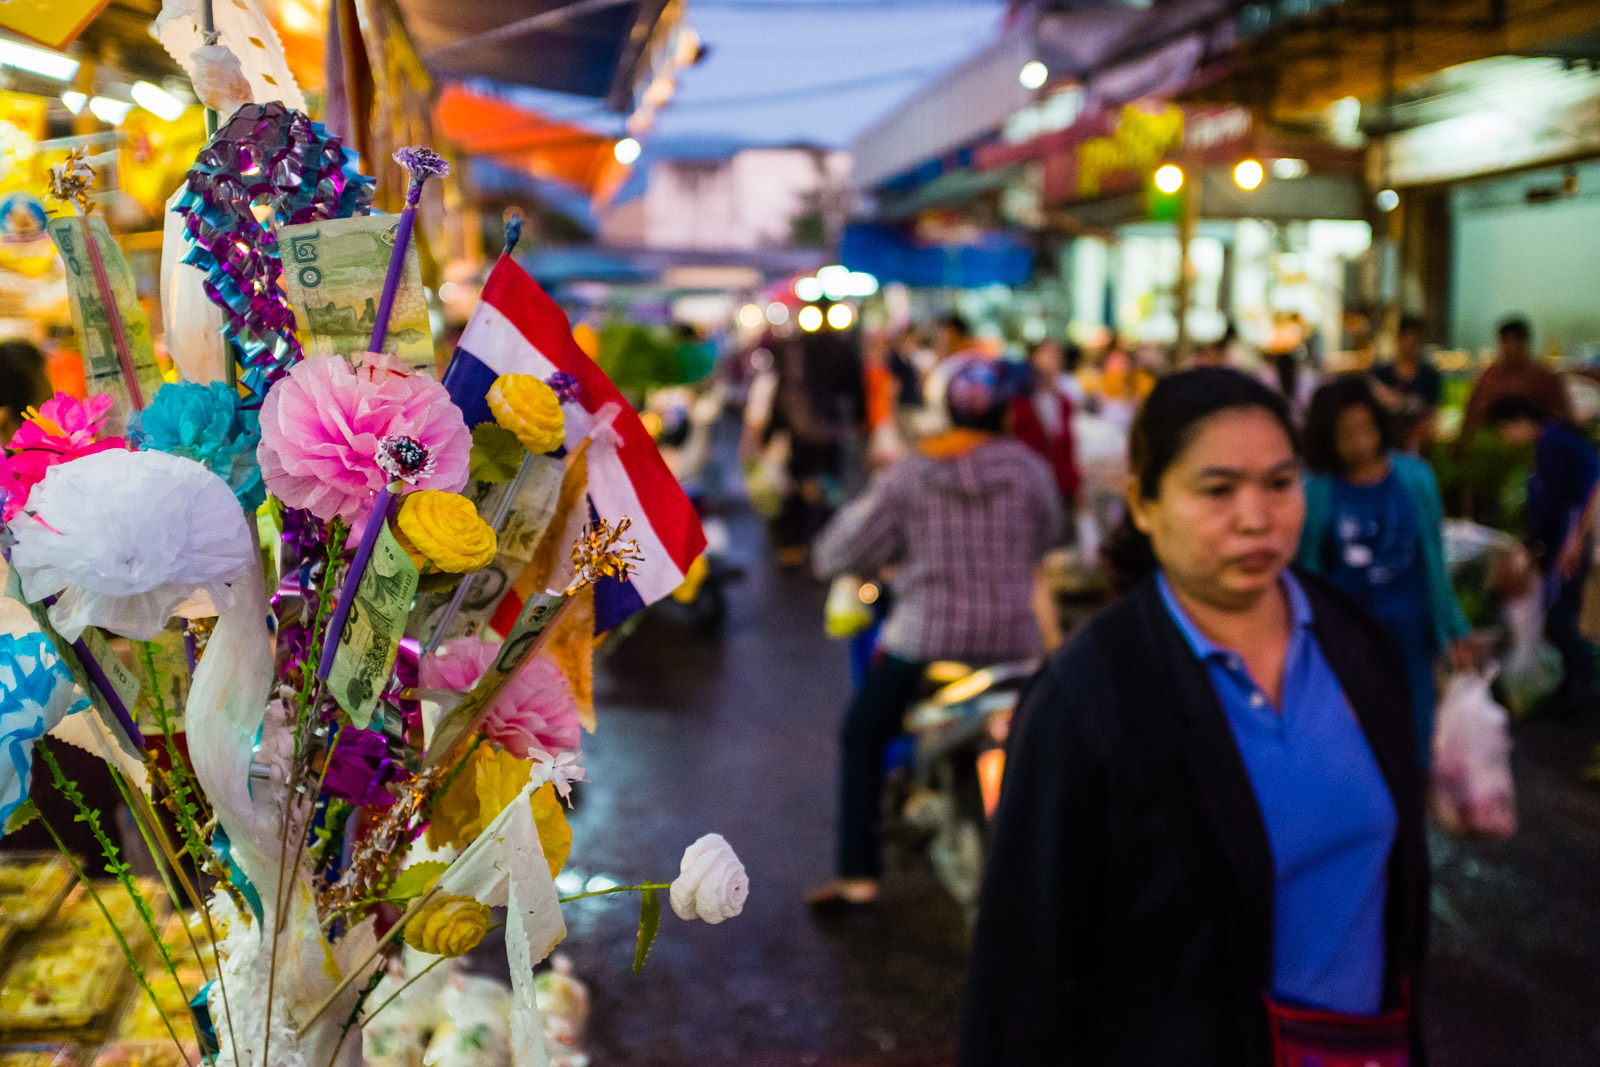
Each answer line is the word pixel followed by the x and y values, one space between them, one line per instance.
pixel 964 523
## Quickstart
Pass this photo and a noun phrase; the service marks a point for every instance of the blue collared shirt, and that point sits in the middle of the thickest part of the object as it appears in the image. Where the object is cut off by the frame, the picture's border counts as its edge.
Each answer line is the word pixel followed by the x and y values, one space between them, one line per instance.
pixel 1329 817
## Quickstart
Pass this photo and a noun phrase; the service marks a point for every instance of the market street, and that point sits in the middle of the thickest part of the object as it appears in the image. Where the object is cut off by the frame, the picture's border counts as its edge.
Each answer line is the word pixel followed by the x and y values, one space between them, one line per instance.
pixel 740 734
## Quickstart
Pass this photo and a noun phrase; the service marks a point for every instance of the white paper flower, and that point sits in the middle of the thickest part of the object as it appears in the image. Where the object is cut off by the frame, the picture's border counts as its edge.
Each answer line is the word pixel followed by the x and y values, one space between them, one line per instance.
pixel 560 770
pixel 711 882
pixel 128 540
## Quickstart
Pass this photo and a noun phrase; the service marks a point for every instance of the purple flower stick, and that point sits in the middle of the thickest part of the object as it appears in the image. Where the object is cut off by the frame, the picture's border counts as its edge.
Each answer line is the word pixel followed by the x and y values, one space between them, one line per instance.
pixel 347 592
pixel 421 164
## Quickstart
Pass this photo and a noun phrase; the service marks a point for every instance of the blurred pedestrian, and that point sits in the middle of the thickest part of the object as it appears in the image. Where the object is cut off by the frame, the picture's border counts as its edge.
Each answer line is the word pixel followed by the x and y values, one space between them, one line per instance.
pixel 1515 373
pixel 1212 813
pixel 1042 419
pixel 1558 532
pixel 965 523
pixel 820 403
pixel 23 384
pixel 1411 388
pixel 1373 527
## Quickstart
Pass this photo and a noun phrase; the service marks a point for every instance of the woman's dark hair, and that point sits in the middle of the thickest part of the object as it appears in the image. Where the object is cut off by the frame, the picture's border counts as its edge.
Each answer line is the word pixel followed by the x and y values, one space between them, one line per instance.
pixel 1514 408
pixel 1167 424
pixel 1176 407
pixel 1322 420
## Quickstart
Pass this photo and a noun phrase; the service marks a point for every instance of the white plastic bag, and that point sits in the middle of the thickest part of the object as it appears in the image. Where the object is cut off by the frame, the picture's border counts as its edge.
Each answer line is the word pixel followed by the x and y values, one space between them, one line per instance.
pixel 1533 668
pixel 1472 787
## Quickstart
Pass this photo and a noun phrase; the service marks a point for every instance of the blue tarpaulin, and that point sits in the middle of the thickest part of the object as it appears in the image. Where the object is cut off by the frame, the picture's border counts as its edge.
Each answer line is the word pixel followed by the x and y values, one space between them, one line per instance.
pixel 892 256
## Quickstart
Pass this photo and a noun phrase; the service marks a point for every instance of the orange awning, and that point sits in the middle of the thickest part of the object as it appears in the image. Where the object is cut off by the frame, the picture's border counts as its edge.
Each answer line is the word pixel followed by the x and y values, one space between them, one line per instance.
pixel 530 141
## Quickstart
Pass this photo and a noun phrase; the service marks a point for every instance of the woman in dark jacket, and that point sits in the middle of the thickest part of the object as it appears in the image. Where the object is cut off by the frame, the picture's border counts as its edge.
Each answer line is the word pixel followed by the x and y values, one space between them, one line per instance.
pixel 1212 820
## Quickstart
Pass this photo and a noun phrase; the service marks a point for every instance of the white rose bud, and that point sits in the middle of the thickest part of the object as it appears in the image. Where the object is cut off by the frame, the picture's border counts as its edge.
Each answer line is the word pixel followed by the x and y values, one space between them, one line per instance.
pixel 711 883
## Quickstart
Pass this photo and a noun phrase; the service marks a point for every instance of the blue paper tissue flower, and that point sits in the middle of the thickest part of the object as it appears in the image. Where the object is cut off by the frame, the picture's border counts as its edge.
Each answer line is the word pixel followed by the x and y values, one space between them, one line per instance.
pixel 36 692
pixel 206 424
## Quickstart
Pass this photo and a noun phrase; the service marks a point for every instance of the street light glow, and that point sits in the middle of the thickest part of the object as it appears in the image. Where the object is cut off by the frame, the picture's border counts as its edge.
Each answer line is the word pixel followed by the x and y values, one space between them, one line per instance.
pixel 1169 179
pixel 751 316
pixel 777 314
pixel 627 151
pixel 808 288
pixel 1248 175
pixel 1388 200
pixel 110 111
pixel 810 318
pixel 157 100
pixel 1033 75
pixel 39 61
pixel 840 316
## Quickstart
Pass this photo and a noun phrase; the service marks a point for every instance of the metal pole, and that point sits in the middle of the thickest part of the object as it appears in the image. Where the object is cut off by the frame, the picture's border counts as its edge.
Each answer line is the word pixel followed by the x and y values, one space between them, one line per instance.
pixel 1188 219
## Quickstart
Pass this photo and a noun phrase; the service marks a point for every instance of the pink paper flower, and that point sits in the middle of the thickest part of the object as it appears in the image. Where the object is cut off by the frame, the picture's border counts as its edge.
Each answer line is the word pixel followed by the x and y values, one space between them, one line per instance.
pixel 332 435
pixel 534 712
pixel 62 429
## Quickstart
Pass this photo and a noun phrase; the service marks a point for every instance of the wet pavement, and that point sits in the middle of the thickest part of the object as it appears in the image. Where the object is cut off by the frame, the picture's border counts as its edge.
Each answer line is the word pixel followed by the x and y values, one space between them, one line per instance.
pixel 736 735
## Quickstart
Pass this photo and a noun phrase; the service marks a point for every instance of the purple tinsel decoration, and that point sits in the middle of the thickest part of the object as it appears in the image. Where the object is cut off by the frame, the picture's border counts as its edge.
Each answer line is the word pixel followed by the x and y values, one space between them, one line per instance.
pixel 360 767
pixel 265 153
pixel 566 387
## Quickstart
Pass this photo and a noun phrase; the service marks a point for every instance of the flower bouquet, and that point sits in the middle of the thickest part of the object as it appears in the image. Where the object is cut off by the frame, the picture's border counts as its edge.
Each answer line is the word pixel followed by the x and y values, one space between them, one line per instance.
pixel 329 621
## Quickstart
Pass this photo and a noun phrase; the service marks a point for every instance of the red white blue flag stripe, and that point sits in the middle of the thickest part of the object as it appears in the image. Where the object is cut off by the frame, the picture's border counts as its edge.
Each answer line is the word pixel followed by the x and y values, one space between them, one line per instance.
pixel 518 329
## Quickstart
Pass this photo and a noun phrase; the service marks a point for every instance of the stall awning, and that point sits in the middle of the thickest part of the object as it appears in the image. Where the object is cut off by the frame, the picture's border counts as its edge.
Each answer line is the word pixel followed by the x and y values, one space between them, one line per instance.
pixel 891 256
pixel 584 47
pixel 528 141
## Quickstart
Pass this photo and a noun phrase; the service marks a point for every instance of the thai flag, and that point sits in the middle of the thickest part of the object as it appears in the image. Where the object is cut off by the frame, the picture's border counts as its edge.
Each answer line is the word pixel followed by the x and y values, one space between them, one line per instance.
pixel 518 329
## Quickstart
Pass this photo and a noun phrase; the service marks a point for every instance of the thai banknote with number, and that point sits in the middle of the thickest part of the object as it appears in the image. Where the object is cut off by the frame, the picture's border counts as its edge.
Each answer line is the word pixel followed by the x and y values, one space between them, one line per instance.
pixel 335 271
pixel 524 640
pixel 371 637
pixel 531 508
pixel 102 365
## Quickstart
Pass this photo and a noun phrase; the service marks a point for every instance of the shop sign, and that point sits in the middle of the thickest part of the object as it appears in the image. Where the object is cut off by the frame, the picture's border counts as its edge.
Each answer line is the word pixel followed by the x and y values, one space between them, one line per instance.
pixel 1139 142
pixel 1489 141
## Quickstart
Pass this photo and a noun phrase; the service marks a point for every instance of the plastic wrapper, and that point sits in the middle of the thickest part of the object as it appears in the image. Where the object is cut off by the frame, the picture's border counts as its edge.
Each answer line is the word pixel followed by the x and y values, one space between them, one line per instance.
pixel 32 885
pixel 63 983
pixel 476 1032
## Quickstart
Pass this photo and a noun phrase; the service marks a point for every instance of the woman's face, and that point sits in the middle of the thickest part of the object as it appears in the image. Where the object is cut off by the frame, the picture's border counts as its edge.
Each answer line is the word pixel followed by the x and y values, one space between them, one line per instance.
pixel 1047 360
pixel 1228 516
pixel 1356 438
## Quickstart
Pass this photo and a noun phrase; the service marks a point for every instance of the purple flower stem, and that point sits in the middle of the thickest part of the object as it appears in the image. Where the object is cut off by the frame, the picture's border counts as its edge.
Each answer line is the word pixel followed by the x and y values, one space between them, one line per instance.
pixel 358 566
pixel 97 675
pixel 397 262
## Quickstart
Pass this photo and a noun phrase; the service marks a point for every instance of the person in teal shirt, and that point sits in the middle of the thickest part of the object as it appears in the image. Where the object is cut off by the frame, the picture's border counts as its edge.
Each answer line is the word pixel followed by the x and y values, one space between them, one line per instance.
pixel 1373 521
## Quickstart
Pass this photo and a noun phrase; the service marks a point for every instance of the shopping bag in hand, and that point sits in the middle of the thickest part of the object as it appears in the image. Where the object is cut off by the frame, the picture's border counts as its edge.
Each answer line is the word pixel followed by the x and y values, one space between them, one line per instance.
pixel 1533 668
pixel 846 614
pixel 1472 789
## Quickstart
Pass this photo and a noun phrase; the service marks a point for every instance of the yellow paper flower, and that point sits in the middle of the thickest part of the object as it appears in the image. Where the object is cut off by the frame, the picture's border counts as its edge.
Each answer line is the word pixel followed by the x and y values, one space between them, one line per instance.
pixel 530 409
pixel 491 779
pixel 445 530
pixel 448 925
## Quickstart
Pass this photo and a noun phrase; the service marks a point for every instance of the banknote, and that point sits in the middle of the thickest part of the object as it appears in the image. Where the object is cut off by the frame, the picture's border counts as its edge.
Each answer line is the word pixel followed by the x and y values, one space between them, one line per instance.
pixel 101 364
pixel 335 271
pixel 171 660
pixel 532 628
pixel 371 637
pixel 535 491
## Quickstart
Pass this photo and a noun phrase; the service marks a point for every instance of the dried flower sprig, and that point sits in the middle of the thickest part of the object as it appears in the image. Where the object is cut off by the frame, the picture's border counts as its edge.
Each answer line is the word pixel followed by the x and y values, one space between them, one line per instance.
pixel 600 552
pixel 71 180
pixel 124 876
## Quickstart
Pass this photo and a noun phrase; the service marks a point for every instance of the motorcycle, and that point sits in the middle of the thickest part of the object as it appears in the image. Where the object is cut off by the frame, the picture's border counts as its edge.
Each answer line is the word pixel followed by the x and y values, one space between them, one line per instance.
pixel 948 783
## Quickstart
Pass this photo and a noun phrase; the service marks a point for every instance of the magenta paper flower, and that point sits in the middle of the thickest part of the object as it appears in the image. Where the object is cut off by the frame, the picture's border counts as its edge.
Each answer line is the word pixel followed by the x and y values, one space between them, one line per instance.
pixel 12 493
pixel 534 712
pixel 333 434
pixel 63 428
